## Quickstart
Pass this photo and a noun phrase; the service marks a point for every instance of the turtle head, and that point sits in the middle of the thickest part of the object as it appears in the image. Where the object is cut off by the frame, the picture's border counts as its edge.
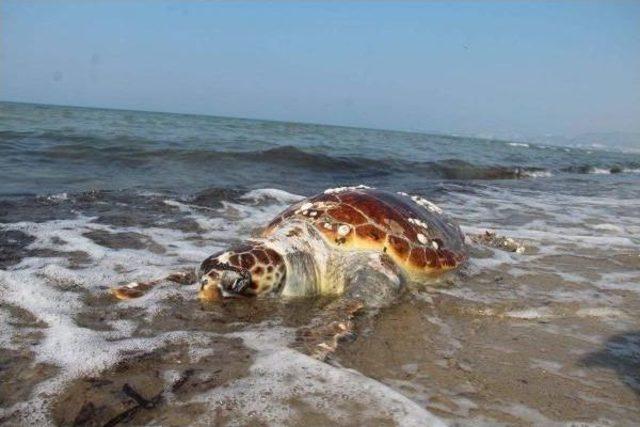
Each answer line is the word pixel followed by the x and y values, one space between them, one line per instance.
pixel 224 280
pixel 244 271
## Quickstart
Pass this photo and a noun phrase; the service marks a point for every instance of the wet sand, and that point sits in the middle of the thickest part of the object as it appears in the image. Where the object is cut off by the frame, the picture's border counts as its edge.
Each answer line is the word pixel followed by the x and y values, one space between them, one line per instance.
pixel 547 336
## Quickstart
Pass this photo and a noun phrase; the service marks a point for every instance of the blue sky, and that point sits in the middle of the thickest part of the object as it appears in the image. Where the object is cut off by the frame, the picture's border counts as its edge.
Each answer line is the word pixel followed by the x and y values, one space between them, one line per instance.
pixel 482 68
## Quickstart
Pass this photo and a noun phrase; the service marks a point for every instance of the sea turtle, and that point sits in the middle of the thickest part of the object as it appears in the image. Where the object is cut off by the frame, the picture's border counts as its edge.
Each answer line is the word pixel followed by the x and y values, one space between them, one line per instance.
pixel 359 242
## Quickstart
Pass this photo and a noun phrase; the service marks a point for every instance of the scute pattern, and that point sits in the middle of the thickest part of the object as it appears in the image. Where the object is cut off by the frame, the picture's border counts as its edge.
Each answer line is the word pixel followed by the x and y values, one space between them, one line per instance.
pixel 412 230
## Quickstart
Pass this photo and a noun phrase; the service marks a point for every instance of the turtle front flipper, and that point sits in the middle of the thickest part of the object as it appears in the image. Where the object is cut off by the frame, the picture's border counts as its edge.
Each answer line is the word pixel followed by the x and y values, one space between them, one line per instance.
pixel 322 336
pixel 138 289
pixel 372 282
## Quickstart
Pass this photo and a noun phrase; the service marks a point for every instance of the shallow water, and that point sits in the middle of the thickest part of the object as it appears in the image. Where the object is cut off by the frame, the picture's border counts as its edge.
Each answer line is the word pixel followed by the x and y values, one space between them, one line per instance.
pixel 93 198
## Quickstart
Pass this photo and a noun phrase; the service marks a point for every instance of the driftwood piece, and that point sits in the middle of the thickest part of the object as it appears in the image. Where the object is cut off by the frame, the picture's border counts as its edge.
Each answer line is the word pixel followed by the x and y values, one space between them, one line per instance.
pixel 141 402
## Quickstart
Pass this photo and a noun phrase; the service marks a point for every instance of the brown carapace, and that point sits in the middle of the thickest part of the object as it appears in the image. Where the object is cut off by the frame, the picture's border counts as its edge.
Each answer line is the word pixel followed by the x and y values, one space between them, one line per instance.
pixel 413 231
pixel 407 231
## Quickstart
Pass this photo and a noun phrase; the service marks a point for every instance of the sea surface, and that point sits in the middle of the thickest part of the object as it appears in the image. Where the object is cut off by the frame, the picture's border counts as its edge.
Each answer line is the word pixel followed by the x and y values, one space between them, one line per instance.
pixel 93 198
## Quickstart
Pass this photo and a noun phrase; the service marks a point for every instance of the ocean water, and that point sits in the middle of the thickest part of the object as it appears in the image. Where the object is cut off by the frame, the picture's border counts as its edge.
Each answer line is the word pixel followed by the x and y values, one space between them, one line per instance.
pixel 93 198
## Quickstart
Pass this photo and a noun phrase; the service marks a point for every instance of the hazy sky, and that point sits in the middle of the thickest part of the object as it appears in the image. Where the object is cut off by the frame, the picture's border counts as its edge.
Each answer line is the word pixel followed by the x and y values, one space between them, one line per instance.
pixel 491 68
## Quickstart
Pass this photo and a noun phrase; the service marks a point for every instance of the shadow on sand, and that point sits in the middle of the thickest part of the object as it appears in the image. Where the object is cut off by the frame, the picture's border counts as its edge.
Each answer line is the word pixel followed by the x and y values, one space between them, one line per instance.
pixel 621 353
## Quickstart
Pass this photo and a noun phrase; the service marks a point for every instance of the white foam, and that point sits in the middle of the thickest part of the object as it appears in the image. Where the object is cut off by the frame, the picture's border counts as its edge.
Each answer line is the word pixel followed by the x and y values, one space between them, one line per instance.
pixel 534 313
pixel 530 313
pixel 59 197
pixel 232 220
pixel 601 312
pixel 272 193
pixel 342 189
pixel 52 291
pixel 9 332
pixel 519 144
pixel 284 375
pixel 497 259
pixel 76 350
pixel 538 174
pixel 608 227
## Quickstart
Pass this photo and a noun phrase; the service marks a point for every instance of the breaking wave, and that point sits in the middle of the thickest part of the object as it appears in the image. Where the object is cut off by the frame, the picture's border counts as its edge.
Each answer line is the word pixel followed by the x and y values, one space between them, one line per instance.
pixel 57 147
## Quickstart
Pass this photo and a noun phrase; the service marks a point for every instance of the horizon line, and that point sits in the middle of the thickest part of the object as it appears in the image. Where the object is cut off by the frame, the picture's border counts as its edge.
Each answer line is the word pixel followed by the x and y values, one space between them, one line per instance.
pixel 417 132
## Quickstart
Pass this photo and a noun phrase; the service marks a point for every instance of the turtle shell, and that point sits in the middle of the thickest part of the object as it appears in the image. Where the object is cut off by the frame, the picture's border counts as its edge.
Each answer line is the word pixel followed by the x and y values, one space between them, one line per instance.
pixel 410 229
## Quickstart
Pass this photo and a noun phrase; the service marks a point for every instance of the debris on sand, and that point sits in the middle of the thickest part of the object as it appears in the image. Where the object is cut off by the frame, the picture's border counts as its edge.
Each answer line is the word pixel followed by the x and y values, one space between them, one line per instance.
pixel 493 240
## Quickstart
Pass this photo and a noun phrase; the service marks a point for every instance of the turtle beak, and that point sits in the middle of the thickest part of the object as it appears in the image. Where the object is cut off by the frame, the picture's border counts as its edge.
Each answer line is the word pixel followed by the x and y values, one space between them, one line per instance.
pixel 210 292
pixel 210 289
pixel 228 285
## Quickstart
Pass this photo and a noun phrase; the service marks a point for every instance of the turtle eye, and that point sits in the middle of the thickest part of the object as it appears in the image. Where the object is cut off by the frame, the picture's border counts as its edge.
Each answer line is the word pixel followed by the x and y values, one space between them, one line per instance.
pixel 238 285
pixel 241 283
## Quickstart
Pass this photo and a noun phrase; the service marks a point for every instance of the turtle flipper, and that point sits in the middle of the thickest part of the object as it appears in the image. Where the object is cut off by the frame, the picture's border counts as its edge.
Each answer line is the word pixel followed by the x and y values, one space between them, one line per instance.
pixel 138 289
pixel 321 337
pixel 374 279
pixel 373 282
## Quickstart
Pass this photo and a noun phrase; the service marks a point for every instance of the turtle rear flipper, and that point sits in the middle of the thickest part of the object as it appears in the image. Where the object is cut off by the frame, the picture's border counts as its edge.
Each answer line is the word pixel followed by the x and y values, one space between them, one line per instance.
pixel 138 289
